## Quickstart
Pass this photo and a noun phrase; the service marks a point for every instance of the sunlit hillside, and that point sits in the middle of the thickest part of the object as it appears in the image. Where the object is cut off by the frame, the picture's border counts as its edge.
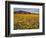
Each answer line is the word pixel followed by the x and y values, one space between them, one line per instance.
pixel 26 21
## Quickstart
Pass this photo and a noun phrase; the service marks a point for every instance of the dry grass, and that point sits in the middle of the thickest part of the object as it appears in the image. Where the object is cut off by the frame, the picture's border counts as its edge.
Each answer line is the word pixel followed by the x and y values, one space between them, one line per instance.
pixel 26 21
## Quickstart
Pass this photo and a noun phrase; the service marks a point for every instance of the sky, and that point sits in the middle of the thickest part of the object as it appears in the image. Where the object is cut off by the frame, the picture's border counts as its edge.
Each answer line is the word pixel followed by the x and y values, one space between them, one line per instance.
pixel 33 10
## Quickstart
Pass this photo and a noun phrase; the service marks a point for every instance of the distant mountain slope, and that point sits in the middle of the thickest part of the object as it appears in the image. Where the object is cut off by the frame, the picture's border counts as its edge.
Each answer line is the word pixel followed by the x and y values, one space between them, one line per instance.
pixel 23 12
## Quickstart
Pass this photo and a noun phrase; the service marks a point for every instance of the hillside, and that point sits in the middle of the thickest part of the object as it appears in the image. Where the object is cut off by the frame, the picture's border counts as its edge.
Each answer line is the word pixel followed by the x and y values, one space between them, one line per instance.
pixel 26 20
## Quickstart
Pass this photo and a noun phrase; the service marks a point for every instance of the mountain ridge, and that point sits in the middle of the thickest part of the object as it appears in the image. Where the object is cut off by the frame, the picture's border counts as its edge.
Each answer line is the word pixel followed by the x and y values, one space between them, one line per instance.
pixel 23 12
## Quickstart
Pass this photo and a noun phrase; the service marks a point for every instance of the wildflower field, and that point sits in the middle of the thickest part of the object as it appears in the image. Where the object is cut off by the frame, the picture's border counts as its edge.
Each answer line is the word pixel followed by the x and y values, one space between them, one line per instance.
pixel 26 21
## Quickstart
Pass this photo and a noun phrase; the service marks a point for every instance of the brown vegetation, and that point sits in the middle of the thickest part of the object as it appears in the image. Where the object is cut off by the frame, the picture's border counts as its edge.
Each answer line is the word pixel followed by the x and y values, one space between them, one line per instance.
pixel 26 21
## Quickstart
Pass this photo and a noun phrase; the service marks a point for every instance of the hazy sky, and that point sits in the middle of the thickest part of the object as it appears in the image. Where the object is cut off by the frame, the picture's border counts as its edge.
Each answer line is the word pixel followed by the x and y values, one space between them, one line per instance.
pixel 35 10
